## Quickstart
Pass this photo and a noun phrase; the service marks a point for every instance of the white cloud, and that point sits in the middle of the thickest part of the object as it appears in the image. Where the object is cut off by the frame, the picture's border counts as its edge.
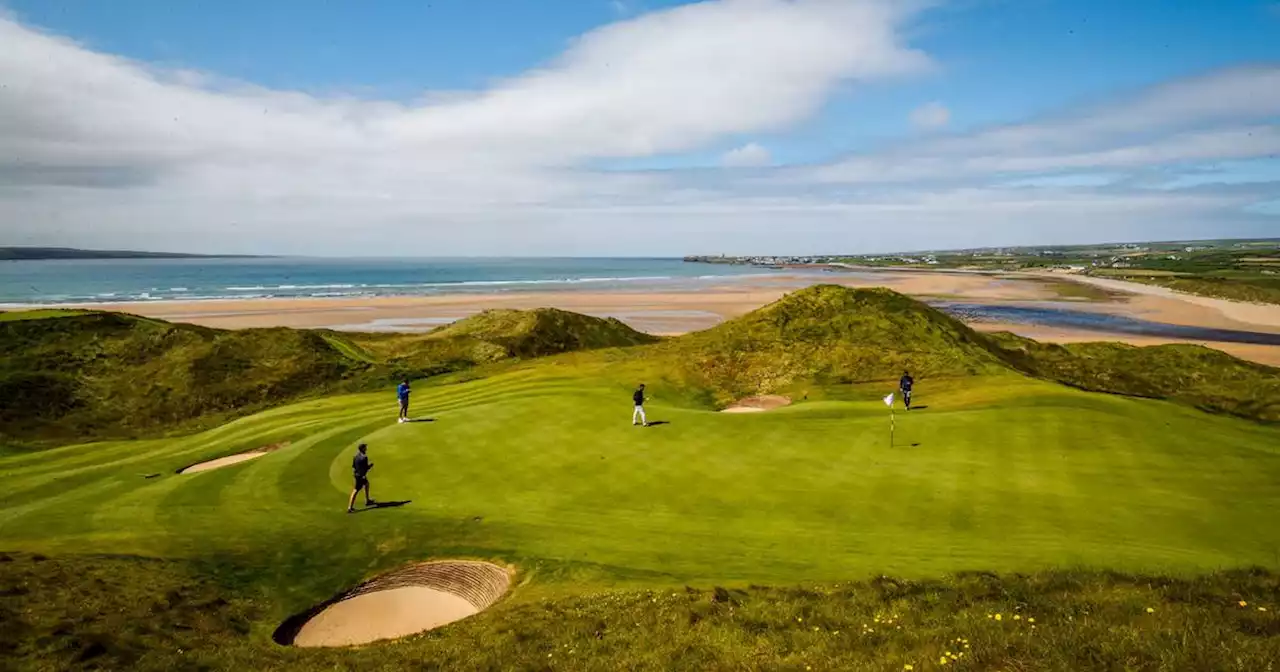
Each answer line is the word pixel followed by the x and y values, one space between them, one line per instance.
pixel 93 146
pixel 1228 114
pixel 100 151
pixel 749 155
pixel 931 115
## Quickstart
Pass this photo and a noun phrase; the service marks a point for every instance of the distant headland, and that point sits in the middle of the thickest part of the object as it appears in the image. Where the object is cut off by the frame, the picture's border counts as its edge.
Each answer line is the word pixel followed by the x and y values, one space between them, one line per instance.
pixel 35 253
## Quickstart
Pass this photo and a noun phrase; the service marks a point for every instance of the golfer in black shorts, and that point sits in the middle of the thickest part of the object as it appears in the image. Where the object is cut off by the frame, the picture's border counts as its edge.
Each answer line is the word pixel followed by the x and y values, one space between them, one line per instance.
pixel 905 385
pixel 360 467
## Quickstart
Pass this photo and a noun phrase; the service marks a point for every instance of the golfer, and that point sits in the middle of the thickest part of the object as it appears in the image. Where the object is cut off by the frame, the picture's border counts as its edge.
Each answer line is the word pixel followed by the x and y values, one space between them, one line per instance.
pixel 360 467
pixel 402 392
pixel 637 417
pixel 904 385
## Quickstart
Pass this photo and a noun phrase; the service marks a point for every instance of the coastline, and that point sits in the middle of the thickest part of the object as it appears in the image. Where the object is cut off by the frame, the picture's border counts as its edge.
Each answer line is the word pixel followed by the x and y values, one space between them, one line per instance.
pixel 680 310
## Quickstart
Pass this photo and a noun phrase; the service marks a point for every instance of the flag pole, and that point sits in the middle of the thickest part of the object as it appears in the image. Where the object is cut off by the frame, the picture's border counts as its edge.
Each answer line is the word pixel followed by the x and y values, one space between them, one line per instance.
pixel 892 425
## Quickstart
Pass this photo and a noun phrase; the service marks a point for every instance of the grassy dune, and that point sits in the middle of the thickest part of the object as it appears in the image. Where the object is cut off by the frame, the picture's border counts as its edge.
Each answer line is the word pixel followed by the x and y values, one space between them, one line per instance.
pixel 708 541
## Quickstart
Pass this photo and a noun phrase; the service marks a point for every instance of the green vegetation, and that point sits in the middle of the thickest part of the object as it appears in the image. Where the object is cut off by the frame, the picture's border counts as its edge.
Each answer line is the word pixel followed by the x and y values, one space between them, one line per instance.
pixel 1254 288
pixel 824 335
pixel 96 375
pixel 134 613
pixel 764 517
pixel 1202 377
pixel 1238 270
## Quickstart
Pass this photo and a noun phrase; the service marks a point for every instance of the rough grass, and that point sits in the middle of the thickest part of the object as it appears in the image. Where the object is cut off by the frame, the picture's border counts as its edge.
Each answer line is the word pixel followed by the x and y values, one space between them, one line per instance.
pixel 1260 289
pixel 98 612
pixel 1195 375
pixel 824 335
pixel 41 314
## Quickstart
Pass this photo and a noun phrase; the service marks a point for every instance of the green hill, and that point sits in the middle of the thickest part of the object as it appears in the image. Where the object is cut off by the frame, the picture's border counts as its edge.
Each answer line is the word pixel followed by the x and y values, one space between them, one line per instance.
pixel 74 376
pixel 1191 374
pixel 829 335
pixel 543 331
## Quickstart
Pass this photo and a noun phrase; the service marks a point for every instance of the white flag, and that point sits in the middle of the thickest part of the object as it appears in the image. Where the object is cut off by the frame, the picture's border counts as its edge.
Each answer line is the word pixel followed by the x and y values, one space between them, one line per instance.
pixel 888 401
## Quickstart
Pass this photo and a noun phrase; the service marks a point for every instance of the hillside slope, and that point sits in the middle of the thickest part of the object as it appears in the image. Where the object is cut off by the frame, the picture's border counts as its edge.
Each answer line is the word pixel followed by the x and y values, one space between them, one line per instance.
pixel 828 335
pixel 77 376
pixel 1191 374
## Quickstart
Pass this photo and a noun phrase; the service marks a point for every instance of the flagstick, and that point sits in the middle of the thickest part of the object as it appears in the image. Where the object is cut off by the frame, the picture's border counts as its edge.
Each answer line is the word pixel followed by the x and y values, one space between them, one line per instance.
pixel 892 425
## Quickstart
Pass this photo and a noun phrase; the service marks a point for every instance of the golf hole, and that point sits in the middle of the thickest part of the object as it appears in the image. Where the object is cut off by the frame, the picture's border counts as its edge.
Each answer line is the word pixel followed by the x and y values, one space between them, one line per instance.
pixel 232 459
pixel 415 599
pixel 760 404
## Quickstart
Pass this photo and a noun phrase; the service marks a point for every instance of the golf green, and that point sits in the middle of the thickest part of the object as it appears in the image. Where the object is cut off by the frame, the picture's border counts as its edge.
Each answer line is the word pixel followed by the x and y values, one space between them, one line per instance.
pixel 541 468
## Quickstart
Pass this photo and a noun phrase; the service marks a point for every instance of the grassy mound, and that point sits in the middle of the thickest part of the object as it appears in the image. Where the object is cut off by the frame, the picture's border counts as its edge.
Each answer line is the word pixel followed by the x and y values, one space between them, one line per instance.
pixel 827 335
pixel 81 375
pixel 543 331
pixel 1191 374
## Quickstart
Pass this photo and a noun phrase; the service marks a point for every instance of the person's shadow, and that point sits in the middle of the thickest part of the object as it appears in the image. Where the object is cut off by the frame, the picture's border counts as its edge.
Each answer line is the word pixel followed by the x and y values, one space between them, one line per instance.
pixel 421 420
pixel 384 505
pixel 656 423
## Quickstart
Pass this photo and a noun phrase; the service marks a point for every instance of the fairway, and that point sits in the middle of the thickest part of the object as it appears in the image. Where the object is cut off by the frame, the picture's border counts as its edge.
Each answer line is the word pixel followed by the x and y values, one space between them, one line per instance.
pixel 541 469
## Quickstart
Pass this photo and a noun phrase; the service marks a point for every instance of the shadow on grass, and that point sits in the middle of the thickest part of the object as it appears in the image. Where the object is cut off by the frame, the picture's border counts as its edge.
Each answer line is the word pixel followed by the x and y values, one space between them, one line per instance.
pixel 384 505
pixel 656 423
pixel 917 408
pixel 421 420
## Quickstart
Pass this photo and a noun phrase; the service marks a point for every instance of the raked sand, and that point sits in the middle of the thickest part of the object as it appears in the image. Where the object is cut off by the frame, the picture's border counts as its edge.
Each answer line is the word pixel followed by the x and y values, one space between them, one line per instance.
pixel 384 614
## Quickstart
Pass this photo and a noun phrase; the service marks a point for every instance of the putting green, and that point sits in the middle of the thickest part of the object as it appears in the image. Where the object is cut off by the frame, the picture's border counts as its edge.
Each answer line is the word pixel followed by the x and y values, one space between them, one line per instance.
pixel 542 468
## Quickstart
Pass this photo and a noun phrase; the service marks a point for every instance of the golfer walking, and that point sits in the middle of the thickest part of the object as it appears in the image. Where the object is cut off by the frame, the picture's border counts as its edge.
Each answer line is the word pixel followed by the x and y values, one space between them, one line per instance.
pixel 360 467
pixel 402 392
pixel 904 386
pixel 637 417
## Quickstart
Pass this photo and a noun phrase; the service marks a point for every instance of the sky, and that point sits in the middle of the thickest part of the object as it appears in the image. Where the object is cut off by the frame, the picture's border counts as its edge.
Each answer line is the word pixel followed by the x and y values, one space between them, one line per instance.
pixel 635 127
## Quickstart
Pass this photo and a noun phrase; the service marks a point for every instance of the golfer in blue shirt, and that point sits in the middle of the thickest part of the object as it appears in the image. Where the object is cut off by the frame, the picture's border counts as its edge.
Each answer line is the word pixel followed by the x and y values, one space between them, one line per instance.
pixel 403 393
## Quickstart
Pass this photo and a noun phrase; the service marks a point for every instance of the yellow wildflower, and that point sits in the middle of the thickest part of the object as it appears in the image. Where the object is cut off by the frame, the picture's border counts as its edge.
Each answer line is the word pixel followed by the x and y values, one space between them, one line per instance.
pixel 999 617
pixel 1150 610
pixel 942 660
pixel 1017 617
pixel 1031 620
pixel 908 666
pixel 1243 603
pixel 1262 608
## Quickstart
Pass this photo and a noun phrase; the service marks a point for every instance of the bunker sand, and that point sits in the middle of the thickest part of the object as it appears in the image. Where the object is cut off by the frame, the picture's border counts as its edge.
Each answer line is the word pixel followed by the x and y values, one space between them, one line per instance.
pixel 759 404
pixel 386 614
pixel 405 602
pixel 231 459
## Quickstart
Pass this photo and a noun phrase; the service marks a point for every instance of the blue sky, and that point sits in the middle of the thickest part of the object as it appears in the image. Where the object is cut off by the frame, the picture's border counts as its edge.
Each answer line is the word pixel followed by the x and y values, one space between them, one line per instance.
pixel 605 148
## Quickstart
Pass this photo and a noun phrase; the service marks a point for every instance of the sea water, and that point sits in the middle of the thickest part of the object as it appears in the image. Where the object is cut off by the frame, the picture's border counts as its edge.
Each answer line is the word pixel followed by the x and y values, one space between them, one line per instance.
pixel 117 280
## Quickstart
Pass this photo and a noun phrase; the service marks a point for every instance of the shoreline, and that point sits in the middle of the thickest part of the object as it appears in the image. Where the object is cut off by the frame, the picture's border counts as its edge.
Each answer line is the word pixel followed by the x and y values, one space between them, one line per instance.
pixel 677 310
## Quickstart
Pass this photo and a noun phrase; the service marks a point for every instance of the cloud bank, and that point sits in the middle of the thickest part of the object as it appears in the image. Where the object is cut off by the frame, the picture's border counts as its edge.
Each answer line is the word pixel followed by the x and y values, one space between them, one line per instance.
pixel 100 151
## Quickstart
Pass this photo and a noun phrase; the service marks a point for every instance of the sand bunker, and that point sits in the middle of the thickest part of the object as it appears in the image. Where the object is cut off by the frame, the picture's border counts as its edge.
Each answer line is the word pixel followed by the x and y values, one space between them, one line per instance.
pixel 412 600
pixel 231 459
pixel 760 404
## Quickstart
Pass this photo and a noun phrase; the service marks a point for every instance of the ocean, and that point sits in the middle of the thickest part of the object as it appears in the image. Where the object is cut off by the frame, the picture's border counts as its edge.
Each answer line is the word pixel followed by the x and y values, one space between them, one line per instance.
pixel 120 280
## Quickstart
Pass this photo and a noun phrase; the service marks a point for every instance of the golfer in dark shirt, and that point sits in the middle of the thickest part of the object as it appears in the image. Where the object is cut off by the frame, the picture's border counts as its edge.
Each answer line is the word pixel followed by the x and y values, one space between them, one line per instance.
pixel 360 467
pixel 905 385
pixel 637 417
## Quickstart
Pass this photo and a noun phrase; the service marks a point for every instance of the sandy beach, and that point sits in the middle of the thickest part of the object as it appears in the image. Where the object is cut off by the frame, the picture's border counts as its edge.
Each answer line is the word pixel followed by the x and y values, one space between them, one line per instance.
pixel 681 311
